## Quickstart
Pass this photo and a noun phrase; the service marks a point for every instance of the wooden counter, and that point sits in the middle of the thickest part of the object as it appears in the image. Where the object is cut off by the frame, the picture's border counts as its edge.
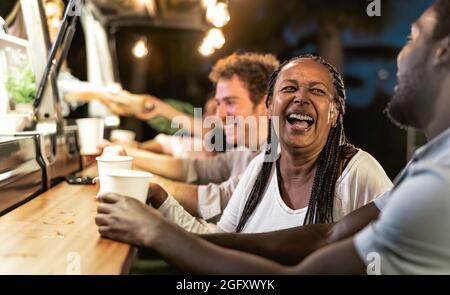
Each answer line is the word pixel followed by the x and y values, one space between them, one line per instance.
pixel 55 233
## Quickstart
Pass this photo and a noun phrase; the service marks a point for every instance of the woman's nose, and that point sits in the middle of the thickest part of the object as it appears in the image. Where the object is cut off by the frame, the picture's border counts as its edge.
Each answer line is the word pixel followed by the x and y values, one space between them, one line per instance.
pixel 301 97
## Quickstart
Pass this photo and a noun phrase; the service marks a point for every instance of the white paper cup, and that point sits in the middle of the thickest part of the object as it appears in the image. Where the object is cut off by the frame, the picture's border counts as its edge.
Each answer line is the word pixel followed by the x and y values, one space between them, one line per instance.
pixel 123 135
pixel 90 135
pixel 130 183
pixel 107 162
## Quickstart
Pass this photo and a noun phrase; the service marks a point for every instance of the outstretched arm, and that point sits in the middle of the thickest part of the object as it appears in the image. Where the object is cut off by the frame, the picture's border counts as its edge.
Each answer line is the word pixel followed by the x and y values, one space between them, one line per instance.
pixel 200 257
pixel 127 220
pixel 159 164
pixel 290 246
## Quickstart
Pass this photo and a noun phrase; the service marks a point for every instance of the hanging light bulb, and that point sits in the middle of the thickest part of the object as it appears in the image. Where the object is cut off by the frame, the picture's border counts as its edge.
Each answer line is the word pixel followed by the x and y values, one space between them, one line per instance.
pixel 140 49
pixel 215 38
pixel 218 14
pixel 205 49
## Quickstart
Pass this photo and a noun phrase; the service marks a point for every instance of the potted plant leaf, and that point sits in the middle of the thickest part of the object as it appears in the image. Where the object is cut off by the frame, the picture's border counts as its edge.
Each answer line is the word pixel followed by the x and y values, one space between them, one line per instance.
pixel 21 86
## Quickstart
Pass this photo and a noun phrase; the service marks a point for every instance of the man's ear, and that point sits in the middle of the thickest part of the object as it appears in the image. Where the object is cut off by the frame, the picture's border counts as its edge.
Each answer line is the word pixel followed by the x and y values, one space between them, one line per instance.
pixel 270 108
pixel 442 56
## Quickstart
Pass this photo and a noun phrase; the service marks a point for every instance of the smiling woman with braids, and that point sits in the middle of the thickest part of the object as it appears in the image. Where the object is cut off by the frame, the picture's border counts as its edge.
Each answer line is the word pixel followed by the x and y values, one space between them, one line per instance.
pixel 319 177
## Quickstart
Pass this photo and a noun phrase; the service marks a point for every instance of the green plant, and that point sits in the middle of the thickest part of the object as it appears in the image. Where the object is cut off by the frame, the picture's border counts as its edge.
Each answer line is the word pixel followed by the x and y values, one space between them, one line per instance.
pixel 21 84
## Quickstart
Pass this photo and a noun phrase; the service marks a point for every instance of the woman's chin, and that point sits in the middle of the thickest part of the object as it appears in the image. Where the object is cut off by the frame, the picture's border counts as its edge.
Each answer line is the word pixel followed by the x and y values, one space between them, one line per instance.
pixel 298 141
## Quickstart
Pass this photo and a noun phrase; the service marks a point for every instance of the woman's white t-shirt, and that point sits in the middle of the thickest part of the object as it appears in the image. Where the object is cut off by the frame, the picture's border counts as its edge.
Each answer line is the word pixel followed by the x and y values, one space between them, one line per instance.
pixel 362 181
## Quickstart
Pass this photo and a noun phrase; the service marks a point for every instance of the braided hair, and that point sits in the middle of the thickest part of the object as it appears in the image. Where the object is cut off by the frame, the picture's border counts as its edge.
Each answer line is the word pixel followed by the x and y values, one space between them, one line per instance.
pixel 331 159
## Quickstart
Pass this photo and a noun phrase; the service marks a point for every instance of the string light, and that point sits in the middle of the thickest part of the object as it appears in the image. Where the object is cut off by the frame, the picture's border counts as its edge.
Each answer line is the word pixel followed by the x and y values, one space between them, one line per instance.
pixel 140 48
pixel 216 38
pixel 218 14
pixel 213 40
pixel 205 49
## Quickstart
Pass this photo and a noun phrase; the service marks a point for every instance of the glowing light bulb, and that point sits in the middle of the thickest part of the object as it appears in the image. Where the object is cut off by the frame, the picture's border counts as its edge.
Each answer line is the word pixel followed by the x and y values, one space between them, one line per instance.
pixel 215 38
pixel 218 14
pixel 140 49
pixel 205 49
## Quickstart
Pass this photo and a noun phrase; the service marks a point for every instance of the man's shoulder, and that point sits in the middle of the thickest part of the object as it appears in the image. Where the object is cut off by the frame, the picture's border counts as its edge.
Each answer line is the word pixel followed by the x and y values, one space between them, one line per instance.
pixel 425 185
pixel 439 170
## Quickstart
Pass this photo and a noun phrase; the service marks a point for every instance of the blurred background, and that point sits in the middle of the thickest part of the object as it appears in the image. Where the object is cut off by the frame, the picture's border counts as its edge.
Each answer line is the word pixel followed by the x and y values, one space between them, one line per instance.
pixel 167 48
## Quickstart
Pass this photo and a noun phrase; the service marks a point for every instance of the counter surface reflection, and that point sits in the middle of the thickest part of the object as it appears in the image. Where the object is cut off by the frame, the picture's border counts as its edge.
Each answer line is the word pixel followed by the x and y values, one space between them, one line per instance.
pixel 55 233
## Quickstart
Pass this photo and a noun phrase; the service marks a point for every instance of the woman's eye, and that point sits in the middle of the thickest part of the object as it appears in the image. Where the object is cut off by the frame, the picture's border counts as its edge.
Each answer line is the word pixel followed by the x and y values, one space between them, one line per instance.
pixel 317 91
pixel 288 89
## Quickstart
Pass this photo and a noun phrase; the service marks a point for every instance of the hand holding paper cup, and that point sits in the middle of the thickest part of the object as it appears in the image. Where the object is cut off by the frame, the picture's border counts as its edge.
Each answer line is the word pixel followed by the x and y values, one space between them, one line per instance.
pixel 130 183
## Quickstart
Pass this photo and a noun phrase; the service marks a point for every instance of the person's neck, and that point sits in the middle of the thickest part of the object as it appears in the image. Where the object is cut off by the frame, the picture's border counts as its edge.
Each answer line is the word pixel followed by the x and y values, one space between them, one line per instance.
pixel 441 119
pixel 295 164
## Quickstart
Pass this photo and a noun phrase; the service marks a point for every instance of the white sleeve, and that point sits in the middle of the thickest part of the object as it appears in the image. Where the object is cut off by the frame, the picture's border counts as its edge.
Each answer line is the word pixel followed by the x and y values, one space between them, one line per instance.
pixel 364 182
pixel 213 198
pixel 69 83
pixel 214 169
pixel 233 211
pixel 411 236
pixel 382 200
pixel 173 211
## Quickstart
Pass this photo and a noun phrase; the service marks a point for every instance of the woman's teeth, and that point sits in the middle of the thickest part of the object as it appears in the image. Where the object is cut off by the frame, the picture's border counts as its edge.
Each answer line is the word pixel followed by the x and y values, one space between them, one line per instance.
pixel 301 120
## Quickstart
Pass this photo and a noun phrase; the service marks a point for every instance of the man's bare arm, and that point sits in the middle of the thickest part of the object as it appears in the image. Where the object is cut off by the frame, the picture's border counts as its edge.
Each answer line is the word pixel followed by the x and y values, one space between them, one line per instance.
pixel 198 256
pixel 152 146
pixel 128 220
pixel 159 164
pixel 291 246
pixel 335 259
